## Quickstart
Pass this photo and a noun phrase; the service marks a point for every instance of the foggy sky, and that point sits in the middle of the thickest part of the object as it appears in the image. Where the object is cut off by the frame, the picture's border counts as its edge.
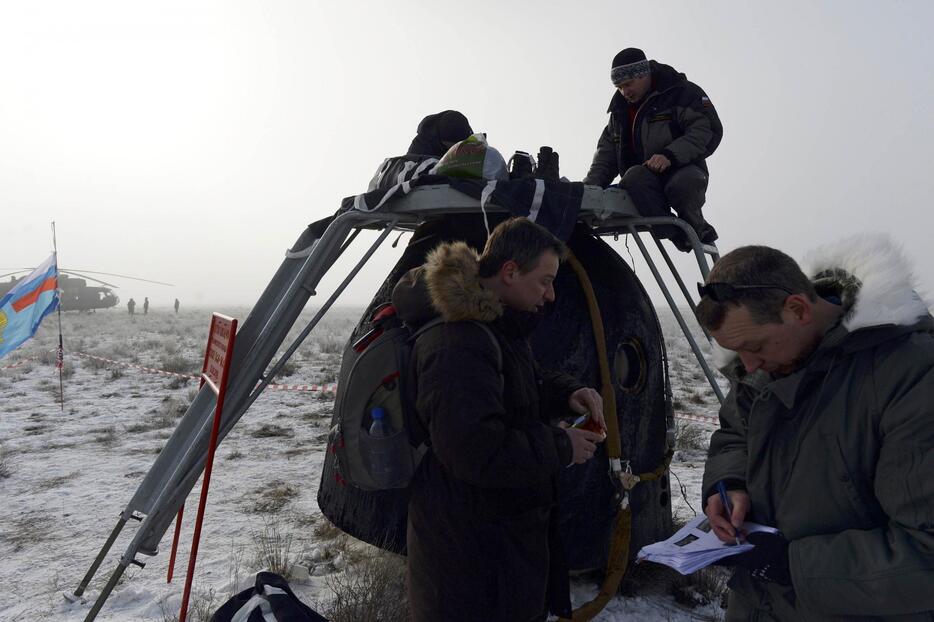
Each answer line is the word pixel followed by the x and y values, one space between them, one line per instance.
pixel 191 142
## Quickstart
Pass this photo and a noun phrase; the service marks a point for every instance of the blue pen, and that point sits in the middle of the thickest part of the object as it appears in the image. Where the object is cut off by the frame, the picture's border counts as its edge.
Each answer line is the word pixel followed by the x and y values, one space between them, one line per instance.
pixel 725 498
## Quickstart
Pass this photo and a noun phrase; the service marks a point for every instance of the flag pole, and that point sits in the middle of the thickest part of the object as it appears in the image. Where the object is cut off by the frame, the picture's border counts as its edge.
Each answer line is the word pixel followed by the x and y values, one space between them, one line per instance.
pixel 60 353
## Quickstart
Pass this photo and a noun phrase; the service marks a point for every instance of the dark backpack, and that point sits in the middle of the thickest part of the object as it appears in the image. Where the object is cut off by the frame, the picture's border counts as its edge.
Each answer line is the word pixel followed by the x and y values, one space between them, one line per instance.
pixel 381 376
pixel 270 600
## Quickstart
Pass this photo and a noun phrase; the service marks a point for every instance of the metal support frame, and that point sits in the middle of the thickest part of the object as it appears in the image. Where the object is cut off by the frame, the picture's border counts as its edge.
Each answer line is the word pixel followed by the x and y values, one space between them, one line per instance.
pixel 671 267
pixel 100 557
pixel 267 378
pixel 180 464
pixel 633 225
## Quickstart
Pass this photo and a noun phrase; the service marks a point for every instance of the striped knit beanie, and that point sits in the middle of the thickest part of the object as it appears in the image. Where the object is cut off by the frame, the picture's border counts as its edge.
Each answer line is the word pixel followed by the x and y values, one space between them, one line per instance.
pixel 628 64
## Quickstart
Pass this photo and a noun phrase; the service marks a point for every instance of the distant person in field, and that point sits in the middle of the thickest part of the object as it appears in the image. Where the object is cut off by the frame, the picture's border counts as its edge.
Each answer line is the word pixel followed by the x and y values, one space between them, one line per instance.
pixel 439 132
pixel 176 306
pixel 131 306
pixel 146 306
pixel 661 131
pixel 827 434
pixel 481 536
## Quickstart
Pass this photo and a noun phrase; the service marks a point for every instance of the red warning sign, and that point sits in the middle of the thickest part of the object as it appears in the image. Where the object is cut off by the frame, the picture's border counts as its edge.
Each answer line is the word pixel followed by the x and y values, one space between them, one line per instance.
pixel 220 342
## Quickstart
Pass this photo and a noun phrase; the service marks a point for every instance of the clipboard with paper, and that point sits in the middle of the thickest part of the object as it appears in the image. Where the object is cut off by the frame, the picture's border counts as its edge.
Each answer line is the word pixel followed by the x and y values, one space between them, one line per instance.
pixel 696 546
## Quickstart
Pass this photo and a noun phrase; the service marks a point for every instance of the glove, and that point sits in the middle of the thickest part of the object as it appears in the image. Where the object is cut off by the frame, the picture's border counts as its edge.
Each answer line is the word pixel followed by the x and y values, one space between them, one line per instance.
pixel 768 561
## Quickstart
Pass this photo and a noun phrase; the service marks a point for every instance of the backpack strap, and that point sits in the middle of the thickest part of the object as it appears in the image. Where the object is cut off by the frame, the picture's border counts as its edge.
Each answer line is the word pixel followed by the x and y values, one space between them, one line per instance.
pixel 499 351
pixel 418 429
pixel 486 328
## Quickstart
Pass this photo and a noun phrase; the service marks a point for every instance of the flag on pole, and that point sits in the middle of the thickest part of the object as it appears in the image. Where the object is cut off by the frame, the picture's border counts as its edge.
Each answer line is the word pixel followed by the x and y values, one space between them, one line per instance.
pixel 23 307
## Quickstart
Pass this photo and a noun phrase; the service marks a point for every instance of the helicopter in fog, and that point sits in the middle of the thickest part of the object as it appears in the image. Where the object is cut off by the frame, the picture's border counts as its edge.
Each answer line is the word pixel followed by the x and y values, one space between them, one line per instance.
pixel 76 294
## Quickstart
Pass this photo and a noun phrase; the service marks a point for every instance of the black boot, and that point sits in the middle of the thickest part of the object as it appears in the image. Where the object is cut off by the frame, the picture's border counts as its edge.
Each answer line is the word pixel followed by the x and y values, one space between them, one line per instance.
pixel 547 164
pixel 520 165
pixel 707 234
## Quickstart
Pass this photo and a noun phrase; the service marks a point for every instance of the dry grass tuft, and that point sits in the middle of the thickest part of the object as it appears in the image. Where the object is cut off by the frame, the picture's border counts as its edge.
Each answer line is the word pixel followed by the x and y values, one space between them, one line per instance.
pixel 271 430
pixel 173 408
pixel 179 365
pixel 272 497
pixel 26 531
pixel 55 482
pixel 201 606
pixel 106 436
pixel 6 464
pixel 95 364
pixel 117 351
pixel 177 382
pixel 704 587
pixel 331 344
pixel 157 422
pixel 273 550
pixel 690 437
pixel 697 398
pixel 326 530
pixel 288 369
pixel 373 590
pixel 300 450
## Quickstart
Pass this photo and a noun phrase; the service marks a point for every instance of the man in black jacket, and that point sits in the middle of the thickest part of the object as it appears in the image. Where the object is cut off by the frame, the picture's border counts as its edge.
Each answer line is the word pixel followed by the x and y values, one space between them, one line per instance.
pixel 482 540
pixel 661 130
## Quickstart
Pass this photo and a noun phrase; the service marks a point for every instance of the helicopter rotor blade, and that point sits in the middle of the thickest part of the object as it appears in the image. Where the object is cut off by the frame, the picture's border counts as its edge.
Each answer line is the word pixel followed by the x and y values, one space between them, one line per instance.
pixel 122 276
pixel 90 278
pixel 15 273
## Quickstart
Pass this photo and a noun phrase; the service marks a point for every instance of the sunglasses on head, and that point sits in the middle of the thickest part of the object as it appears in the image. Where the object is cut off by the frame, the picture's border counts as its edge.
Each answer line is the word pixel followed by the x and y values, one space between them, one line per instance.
pixel 724 292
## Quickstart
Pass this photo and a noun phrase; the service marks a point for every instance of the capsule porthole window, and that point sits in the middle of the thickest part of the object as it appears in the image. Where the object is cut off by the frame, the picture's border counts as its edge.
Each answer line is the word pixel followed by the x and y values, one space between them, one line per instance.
pixel 630 366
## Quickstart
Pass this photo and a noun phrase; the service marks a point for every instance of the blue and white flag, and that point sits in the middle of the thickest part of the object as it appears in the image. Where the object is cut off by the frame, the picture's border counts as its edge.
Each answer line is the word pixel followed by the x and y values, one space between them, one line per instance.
pixel 23 307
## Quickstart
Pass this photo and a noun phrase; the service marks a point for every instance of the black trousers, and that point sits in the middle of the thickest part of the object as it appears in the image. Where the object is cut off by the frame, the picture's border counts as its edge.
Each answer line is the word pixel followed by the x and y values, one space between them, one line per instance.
pixel 684 189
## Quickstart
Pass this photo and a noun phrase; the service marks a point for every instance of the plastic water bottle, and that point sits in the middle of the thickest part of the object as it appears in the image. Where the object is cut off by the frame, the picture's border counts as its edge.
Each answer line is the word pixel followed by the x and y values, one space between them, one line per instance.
pixel 380 426
pixel 383 462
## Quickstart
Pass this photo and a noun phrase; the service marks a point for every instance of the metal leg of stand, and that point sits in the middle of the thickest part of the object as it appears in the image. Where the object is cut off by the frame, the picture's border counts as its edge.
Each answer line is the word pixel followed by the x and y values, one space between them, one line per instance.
pixel 678 279
pixel 677 313
pixel 320 314
pixel 175 472
pixel 646 223
pixel 102 598
pixel 346 245
pixel 172 476
pixel 100 557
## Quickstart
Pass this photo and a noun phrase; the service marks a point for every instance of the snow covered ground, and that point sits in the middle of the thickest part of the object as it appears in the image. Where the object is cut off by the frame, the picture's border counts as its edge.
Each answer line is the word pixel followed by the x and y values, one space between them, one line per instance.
pixel 66 475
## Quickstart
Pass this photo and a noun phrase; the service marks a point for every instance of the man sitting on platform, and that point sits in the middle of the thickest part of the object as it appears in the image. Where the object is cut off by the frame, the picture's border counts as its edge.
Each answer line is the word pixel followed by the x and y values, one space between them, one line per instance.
pixel 661 130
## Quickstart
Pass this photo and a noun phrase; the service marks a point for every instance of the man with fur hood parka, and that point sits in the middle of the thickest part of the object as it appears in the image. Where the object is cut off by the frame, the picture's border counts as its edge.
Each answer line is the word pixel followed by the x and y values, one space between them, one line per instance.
pixel 481 520
pixel 828 433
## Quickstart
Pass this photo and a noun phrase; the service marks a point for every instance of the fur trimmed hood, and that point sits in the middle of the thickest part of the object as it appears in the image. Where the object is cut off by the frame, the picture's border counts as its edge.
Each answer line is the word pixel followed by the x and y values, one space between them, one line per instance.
pixel 871 276
pixel 453 280
pixel 448 283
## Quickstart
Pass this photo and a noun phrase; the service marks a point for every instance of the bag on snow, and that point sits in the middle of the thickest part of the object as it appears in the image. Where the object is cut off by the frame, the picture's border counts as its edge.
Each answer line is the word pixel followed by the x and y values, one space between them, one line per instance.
pixel 379 378
pixel 270 600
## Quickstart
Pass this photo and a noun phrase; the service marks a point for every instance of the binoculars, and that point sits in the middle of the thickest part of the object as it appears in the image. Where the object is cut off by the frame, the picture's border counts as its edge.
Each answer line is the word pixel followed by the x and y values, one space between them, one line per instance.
pixel 523 166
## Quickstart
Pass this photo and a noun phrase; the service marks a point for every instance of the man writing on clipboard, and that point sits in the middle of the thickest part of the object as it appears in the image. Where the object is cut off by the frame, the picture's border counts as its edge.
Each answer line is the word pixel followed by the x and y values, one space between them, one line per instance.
pixel 827 434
